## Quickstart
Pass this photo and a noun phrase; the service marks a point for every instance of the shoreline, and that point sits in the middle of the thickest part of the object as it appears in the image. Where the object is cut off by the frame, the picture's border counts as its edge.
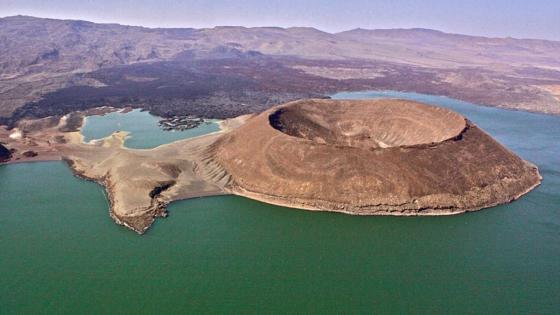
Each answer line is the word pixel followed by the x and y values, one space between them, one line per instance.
pixel 33 160
pixel 132 177
pixel 481 172
pixel 78 154
pixel 412 212
pixel 141 183
pixel 510 109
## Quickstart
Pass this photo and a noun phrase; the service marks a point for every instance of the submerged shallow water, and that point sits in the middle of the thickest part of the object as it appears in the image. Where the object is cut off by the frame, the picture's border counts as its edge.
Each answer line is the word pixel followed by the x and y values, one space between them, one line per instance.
pixel 62 253
pixel 145 132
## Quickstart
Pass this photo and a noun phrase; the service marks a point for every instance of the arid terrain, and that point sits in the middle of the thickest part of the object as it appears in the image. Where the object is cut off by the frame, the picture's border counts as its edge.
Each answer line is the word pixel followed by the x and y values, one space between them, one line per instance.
pixel 405 159
pixel 54 67
pixel 384 157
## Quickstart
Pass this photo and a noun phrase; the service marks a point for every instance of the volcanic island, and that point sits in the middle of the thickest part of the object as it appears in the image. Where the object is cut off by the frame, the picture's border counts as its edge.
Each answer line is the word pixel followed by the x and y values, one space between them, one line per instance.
pixel 360 157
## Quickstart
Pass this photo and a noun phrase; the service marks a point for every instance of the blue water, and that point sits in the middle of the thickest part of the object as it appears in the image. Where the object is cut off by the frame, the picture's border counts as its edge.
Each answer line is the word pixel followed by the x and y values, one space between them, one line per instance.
pixel 145 132
pixel 61 253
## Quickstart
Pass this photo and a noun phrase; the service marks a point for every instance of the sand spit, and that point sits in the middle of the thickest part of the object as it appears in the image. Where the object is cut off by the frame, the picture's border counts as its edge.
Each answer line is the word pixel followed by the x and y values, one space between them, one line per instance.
pixel 141 183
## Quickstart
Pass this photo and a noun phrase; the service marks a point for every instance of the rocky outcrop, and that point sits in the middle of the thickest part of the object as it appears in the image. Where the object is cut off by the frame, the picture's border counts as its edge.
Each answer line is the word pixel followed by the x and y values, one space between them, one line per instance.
pixel 5 154
pixel 384 157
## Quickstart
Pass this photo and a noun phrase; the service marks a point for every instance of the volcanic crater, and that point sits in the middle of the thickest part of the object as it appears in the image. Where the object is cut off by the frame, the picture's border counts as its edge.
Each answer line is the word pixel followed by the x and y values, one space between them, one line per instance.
pixel 370 157
pixel 358 124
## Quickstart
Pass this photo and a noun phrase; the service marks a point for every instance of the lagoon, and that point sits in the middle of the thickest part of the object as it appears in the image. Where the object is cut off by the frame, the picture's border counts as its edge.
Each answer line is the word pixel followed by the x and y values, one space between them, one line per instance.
pixel 143 127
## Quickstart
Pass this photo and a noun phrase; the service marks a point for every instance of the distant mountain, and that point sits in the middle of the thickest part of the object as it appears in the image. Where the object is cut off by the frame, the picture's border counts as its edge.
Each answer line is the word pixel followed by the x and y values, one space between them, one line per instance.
pixel 40 56
pixel 435 48
pixel 29 44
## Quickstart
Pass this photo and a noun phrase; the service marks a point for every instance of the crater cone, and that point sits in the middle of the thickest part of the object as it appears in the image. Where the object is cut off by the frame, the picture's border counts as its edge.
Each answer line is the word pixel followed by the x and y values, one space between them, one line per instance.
pixel 378 157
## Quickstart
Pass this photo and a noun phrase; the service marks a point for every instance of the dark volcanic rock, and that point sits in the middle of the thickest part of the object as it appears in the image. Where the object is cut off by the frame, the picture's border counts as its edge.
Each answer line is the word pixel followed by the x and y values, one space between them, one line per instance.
pixel 5 154
pixel 30 154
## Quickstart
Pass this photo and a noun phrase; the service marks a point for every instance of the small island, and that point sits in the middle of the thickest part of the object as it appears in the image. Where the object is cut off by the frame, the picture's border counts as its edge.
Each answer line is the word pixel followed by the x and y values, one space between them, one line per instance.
pixel 180 123
pixel 367 157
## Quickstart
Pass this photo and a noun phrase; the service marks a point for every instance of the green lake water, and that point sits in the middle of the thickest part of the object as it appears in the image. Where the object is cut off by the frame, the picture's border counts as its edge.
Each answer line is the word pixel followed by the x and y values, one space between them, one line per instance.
pixel 61 252
pixel 144 129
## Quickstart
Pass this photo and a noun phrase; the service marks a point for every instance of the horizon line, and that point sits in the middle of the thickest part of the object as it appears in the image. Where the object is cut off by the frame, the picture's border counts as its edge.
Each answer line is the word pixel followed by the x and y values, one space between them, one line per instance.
pixel 279 27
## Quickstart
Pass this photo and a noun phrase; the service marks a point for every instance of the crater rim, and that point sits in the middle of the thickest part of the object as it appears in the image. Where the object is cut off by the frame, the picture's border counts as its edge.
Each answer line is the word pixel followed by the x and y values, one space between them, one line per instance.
pixel 371 124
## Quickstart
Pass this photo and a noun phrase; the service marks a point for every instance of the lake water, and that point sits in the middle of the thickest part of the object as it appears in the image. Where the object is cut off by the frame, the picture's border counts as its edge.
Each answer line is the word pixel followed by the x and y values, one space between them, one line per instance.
pixel 145 132
pixel 61 252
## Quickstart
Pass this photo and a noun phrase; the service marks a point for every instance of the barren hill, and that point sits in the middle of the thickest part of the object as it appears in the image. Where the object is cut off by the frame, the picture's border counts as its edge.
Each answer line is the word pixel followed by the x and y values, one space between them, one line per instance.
pixel 409 159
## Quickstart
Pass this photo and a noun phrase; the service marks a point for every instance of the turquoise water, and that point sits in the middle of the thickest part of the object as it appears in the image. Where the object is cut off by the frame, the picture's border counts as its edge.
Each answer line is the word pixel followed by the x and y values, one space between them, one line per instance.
pixel 61 253
pixel 143 127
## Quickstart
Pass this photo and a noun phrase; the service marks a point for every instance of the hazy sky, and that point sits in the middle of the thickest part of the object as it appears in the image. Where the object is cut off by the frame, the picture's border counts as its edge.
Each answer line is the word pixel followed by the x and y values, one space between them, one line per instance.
pixel 516 18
